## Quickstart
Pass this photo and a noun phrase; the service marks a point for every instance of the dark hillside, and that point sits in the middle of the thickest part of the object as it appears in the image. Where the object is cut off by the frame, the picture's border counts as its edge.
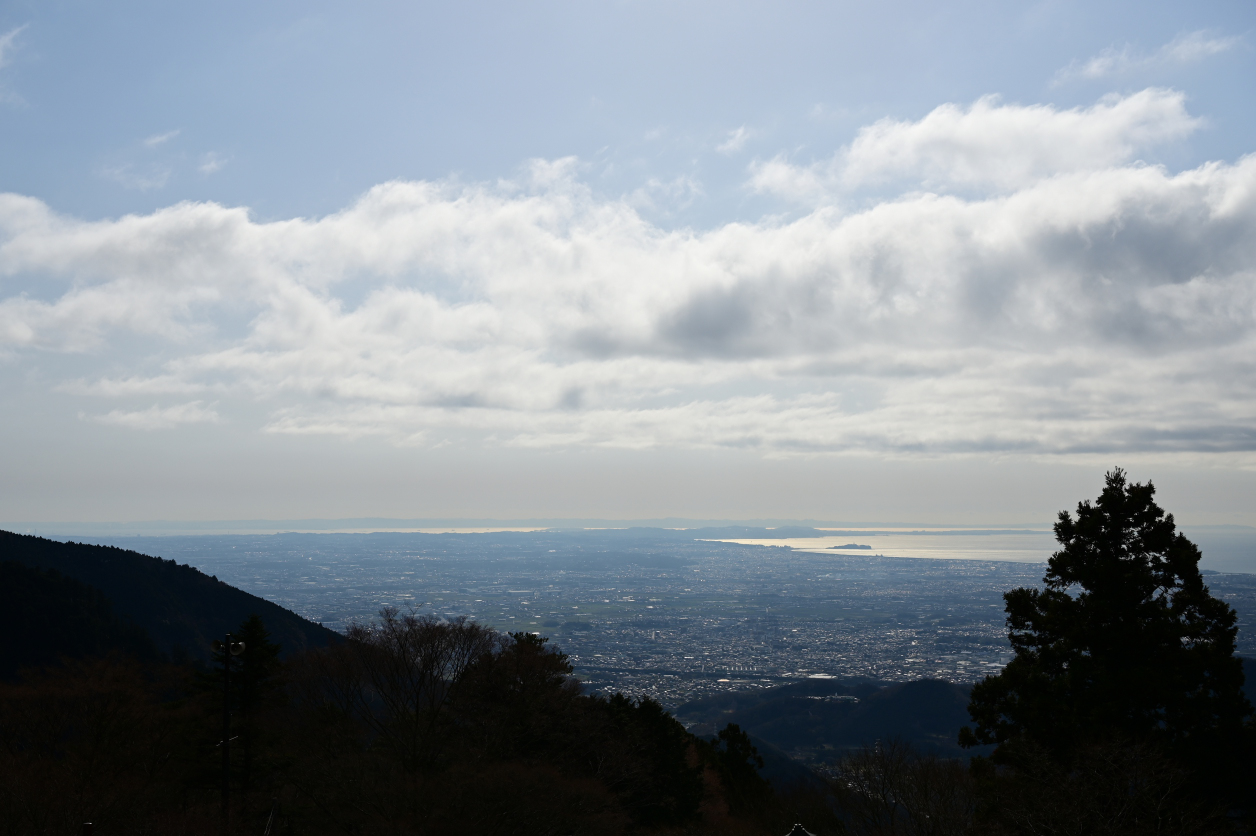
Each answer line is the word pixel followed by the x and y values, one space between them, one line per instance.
pixel 928 712
pixel 46 616
pixel 780 770
pixel 181 608
pixel 819 720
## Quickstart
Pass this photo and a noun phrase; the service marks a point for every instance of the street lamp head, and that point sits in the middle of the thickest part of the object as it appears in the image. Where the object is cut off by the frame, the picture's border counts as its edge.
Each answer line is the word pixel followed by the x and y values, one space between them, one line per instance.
pixel 236 647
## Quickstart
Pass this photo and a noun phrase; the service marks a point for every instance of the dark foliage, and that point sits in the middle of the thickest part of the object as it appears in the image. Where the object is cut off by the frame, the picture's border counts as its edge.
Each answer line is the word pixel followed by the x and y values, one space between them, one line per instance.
pixel 1129 789
pixel 647 758
pixel 412 700
pixel 890 788
pixel 181 608
pixel 1124 647
pixel 255 691
pixel 413 726
pixel 739 763
pixel 100 741
pixel 46 617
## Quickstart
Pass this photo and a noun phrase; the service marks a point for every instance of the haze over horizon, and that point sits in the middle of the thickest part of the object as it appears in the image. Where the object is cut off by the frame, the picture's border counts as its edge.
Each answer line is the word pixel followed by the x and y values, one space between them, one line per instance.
pixel 625 261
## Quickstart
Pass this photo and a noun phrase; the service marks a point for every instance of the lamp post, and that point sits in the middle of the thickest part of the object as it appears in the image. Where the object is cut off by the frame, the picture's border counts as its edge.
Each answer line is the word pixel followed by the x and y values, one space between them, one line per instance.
pixel 228 648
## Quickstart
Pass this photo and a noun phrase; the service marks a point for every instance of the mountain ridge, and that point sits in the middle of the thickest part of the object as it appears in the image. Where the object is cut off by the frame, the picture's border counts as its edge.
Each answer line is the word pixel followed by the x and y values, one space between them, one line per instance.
pixel 180 608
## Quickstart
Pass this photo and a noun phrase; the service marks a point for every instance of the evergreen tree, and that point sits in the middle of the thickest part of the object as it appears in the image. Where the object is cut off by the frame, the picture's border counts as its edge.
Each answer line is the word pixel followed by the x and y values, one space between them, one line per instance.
pixel 739 763
pixel 1124 644
pixel 254 684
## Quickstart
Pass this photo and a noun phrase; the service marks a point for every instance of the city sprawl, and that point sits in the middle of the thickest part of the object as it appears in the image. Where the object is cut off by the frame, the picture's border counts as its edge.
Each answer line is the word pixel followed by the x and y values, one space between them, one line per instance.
pixel 671 614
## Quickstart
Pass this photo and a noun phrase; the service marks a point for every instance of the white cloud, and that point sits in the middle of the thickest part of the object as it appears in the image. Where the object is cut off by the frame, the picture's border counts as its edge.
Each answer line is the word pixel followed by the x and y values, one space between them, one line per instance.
pixel 656 194
pixel 212 162
pixel 158 418
pixel 1088 307
pixel 7 44
pixel 161 139
pixel 799 183
pixel 988 145
pixel 132 386
pixel 735 142
pixel 1196 46
pixel 143 178
pixel 1188 48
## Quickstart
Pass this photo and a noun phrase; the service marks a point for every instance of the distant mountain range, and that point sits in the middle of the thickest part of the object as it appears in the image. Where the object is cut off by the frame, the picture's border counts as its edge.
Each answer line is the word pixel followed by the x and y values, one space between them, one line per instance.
pixel 71 599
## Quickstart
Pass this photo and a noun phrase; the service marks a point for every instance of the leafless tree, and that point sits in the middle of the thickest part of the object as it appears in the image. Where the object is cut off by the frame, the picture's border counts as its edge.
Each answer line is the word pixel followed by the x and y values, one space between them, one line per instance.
pixel 889 789
pixel 405 671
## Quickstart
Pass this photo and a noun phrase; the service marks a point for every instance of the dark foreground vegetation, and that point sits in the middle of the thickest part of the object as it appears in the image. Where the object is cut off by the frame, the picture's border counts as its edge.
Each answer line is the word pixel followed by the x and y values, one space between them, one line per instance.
pixel 1123 712
pixel 413 725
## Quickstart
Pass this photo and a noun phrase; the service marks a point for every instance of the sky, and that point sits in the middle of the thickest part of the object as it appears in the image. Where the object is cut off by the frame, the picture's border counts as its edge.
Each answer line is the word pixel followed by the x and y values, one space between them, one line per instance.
pixel 902 261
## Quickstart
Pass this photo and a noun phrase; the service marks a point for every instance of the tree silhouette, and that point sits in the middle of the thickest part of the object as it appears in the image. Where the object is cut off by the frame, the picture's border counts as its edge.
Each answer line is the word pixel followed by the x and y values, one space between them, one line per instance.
pixel 254 684
pixel 739 762
pixel 1124 643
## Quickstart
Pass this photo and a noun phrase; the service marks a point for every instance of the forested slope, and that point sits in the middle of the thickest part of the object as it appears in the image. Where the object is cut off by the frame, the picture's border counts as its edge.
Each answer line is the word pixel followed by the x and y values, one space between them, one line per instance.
pixel 822 719
pixel 45 616
pixel 180 608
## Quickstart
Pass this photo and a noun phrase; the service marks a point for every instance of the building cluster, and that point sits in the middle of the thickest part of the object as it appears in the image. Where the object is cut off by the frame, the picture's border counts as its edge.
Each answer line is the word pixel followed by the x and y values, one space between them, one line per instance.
pixel 665 616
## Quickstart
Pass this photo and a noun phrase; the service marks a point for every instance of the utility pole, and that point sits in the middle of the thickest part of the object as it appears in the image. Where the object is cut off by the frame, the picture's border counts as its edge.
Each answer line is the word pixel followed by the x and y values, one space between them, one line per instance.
pixel 228 649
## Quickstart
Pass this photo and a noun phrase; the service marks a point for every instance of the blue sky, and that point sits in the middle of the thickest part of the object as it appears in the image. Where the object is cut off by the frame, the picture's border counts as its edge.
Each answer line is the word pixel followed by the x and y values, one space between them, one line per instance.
pixel 845 261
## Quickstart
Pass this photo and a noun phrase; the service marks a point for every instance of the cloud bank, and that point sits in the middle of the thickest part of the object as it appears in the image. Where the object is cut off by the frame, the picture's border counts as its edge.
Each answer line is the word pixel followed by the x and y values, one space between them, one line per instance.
pixel 988 145
pixel 1048 297
pixel 1189 48
pixel 158 418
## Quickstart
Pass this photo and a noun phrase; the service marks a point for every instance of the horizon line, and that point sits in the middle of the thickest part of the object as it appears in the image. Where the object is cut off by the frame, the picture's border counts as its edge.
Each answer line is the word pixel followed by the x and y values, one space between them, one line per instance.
pixel 404 523
pixel 418 524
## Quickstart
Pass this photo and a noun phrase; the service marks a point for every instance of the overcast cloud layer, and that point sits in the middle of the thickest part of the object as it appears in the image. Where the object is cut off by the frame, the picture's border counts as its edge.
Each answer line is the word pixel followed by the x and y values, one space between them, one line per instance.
pixel 993 277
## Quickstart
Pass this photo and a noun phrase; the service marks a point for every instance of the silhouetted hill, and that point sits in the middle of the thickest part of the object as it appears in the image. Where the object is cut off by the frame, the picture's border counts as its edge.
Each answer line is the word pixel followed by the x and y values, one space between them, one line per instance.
pixel 779 769
pixel 180 608
pixel 46 616
pixel 821 719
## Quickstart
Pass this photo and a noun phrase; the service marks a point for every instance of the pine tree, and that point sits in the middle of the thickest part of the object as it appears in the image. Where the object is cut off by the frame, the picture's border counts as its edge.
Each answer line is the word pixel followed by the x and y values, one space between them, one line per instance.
pixel 1123 645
